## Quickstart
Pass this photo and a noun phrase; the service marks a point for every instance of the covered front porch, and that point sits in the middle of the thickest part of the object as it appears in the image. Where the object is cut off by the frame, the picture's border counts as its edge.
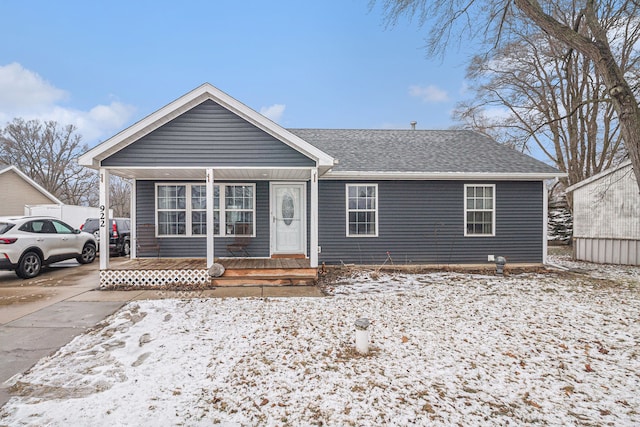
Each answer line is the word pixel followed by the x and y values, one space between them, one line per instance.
pixel 267 215
pixel 262 230
pixel 208 173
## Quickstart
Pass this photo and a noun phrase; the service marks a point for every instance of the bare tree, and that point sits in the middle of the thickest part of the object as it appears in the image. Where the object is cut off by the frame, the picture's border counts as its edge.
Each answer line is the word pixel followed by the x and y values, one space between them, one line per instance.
pixel 534 95
pixel 120 196
pixel 500 21
pixel 48 154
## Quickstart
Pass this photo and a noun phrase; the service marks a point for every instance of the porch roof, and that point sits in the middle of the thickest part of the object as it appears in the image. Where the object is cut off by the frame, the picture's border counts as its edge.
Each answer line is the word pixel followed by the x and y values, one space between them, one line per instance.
pixel 199 173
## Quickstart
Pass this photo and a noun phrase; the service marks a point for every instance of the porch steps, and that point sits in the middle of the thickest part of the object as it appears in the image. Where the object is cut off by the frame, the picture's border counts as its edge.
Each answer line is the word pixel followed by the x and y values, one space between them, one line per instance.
pixel 267 277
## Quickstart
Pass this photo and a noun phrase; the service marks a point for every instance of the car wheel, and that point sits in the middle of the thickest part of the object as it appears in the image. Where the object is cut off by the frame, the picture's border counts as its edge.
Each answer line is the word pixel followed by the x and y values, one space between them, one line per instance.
pixel 88 254
pixel 126 248
pixel 29 266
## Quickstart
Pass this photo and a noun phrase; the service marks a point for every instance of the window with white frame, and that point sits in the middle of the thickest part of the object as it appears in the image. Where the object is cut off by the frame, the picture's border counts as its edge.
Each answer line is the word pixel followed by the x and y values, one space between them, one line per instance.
pixel 198 210
pixel 172 210
pixel 181 209
pixel 362 210
pixel 238 206
pixel 480 209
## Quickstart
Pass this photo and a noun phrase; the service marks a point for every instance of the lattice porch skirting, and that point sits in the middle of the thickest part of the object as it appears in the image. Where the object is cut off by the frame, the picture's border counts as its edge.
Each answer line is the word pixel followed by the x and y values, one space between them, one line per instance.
pixel 153 279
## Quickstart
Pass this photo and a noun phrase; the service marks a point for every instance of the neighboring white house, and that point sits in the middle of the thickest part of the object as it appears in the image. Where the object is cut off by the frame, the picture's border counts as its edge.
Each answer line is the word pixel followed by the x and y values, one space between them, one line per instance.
pixel 606 217
pixel 18 190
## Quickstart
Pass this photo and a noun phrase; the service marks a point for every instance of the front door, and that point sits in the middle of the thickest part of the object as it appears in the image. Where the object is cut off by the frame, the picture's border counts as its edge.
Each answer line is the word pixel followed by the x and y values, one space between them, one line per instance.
pixel 288 218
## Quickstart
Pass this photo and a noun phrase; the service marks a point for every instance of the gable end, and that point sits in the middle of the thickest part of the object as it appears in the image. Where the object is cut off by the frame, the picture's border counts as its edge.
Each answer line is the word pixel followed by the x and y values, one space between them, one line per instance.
pixel 208 135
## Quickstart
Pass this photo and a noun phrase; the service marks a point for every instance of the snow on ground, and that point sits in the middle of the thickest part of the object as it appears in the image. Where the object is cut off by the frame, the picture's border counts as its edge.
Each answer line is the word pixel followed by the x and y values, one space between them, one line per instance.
pixel 446 348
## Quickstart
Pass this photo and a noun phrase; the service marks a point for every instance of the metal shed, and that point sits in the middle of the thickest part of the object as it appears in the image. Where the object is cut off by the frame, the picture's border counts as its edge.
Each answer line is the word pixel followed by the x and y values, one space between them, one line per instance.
pixel 606 217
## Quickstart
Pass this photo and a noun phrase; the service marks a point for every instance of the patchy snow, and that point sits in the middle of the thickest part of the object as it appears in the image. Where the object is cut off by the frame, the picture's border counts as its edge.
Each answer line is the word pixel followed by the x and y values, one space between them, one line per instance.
pixel 446 349
pixel 621 274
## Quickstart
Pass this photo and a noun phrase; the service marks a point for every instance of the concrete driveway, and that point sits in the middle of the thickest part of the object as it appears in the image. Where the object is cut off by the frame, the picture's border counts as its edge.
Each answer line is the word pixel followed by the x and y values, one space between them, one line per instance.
pixel 56 283
pixel 40 315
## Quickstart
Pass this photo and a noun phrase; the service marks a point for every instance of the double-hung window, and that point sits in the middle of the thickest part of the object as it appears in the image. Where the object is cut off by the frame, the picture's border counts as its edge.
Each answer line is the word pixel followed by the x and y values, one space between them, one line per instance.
pixel 362 210
pixel 181 209
pixel 198 210
pixel 238 205
pixel 479 209
pixel 172 210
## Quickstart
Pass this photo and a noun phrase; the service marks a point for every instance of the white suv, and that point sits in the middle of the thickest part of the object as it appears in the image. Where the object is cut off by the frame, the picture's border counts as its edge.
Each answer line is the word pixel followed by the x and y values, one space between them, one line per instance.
pixel 28 243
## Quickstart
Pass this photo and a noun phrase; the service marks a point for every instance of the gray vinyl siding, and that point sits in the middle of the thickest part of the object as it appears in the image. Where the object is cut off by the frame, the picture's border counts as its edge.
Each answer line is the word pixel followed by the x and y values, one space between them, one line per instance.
pixel 419 222
pixel 208 135
pixel 196 247
pixel 423 222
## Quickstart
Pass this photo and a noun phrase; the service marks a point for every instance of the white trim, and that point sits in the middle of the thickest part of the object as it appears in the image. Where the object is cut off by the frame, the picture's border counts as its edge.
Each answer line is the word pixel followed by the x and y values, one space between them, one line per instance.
pixel 347 210
pixel 104 220
pixel 224 173
pixel 493 210
pixel 204 92
pixel 272 214
pixel 188 210
pixel 435 176
pixel 133 240
pixel 223 206
pixel 31 182
pixel 598 176
pixel 210 186
pixel 204 168
pixel 313 217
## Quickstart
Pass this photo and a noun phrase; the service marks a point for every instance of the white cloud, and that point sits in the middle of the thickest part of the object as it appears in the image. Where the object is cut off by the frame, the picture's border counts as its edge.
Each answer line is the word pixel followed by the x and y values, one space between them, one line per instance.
pixel 429 93
pixel 273 112
pixel 24 89
pixel 25 94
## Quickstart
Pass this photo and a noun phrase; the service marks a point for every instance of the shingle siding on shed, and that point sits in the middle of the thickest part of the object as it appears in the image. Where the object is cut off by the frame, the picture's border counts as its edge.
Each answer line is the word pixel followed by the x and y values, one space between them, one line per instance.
pixel 423 222
pixel 208 135
pixel 196 247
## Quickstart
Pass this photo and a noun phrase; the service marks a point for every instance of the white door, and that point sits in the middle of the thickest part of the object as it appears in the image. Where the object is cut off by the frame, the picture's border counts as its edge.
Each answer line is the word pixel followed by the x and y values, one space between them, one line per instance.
pixel 288 219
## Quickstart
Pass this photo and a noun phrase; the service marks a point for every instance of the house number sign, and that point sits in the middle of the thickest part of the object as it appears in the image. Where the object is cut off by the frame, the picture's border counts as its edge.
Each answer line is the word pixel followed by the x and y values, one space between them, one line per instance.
pixel 102 216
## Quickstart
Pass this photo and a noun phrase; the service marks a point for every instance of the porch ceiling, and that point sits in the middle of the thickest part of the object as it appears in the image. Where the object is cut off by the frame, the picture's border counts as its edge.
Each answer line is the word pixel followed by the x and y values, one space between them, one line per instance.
pixel 282 174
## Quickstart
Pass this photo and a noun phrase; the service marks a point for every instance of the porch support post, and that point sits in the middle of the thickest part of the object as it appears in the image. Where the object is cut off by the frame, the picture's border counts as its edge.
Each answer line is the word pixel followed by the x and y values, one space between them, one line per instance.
pixel 313 245
pixel 105 221
pixel 133 241
pixel 210 225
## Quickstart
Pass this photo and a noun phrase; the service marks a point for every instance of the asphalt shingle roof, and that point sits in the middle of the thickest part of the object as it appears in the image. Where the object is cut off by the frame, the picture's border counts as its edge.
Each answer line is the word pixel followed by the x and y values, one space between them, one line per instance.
pixel 427 151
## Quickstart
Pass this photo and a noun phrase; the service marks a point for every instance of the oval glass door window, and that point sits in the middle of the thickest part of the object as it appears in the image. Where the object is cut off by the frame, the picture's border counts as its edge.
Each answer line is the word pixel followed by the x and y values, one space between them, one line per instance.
pixel 288 208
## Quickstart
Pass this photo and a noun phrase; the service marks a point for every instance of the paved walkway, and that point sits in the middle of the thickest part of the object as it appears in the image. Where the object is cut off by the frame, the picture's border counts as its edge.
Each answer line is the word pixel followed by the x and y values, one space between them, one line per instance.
pixel 31 331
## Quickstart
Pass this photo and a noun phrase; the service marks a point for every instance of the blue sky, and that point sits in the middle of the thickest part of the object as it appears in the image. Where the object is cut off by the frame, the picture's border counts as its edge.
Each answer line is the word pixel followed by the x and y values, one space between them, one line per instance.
pixel 329 64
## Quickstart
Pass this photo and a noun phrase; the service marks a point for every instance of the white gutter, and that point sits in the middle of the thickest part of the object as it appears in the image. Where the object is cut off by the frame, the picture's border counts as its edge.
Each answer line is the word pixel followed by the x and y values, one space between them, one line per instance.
pixel 373 175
